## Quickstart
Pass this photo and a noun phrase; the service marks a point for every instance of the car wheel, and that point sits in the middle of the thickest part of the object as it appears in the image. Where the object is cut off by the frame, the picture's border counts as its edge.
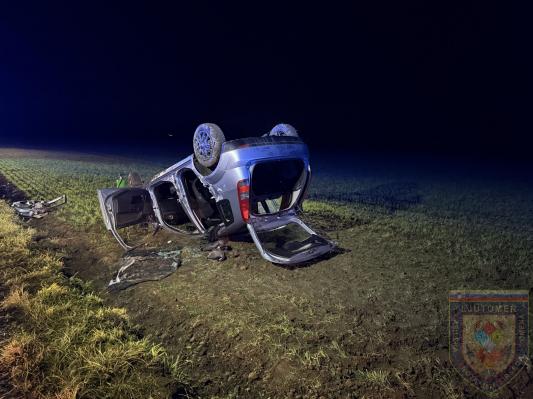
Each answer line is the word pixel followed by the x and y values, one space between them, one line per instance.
pixel 283 129
pixel 207 144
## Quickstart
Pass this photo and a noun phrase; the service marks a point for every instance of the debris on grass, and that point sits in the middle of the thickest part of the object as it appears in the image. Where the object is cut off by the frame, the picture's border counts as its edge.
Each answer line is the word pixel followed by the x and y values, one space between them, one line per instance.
pixel 149 267
pixel 217 254
pixel 38 209
pixel 217 250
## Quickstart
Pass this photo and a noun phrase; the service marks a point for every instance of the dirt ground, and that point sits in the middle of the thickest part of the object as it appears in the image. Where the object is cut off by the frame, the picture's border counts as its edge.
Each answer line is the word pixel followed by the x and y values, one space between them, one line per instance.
pixel 370 320
pixel 352 325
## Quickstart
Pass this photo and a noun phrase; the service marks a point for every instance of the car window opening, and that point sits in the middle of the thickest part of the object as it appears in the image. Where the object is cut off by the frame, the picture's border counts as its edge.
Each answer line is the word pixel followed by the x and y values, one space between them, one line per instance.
pixel 167 201
pixel 276 185
pixel 131 207
pixel 288 240
pixel 200 199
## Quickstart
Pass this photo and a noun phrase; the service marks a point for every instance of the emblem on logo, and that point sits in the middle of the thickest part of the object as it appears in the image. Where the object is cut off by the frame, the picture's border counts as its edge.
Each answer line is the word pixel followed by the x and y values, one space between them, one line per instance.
pixel 488 336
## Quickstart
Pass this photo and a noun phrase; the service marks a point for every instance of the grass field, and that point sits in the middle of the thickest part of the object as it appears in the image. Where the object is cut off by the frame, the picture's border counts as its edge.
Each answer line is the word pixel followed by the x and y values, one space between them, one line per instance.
pixel 64 342
pixel 46 177
pixel 370 321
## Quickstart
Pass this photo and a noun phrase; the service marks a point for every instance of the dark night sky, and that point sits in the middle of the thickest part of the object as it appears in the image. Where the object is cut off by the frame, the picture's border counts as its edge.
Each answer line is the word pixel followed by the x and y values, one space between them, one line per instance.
pixel 390 77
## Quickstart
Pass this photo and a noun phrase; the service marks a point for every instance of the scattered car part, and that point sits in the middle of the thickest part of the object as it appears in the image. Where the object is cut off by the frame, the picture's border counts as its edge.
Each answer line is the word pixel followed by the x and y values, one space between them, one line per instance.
pixel 38 209
pixel 258 185
pixel 217 254
pixel 150 267
pixel 217 250
pixel 219 244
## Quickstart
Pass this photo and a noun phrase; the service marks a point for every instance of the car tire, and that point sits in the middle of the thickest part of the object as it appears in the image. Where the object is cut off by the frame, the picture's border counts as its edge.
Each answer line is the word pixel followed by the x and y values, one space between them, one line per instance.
pixel 207 143
pixel 283 129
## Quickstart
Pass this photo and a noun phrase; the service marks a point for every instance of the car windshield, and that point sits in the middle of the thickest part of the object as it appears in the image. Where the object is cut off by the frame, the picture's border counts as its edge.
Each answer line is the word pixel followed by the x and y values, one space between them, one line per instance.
pixel 288 240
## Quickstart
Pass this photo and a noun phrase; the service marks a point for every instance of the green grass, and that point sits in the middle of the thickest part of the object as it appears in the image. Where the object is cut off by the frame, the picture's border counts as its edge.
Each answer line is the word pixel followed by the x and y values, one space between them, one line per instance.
pixel 65 342
pixel 44 178
pixel 347 199
pixel 375 315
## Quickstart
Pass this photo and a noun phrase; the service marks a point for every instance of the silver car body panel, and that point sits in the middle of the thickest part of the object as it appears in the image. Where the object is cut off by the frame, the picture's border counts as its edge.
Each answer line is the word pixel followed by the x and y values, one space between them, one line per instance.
pixel 105 198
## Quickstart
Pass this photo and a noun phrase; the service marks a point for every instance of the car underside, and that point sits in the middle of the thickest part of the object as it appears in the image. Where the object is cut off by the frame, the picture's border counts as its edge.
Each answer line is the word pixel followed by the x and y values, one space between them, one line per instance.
pixel 257 185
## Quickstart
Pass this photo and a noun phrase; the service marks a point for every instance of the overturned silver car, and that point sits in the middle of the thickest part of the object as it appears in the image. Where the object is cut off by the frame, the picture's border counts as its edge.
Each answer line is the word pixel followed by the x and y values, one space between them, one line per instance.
pixel 227 187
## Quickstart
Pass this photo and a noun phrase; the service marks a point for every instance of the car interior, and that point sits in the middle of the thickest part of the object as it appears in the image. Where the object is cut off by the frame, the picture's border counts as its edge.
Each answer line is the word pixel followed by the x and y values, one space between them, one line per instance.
pixel 131 207
pixel 200 199
pixel 276 185
pixel 167 200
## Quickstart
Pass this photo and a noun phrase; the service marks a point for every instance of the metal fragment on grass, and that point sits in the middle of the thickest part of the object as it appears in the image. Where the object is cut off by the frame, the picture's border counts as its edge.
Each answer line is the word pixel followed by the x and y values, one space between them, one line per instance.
pixel 38 209
pixel 150 267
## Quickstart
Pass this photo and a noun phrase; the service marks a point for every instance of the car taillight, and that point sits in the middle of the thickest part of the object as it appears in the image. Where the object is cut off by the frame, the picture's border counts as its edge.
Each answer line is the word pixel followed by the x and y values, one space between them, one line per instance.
pixel 243 191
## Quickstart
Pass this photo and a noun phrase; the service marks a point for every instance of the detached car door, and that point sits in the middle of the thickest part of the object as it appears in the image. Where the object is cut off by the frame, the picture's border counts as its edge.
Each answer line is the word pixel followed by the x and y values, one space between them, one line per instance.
pixel 285 239
pixel 123 207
